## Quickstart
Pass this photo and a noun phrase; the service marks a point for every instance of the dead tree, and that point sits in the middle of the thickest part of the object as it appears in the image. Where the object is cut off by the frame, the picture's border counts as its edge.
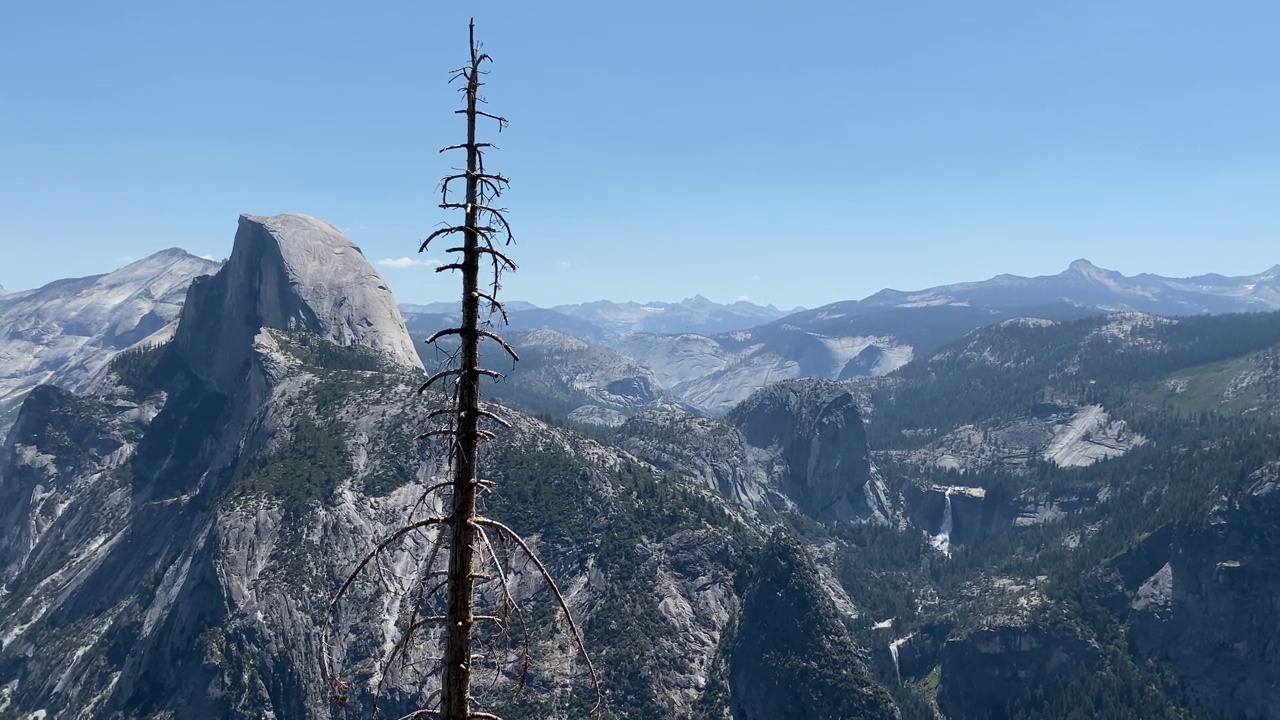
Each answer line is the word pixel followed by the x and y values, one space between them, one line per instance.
pixel 462 531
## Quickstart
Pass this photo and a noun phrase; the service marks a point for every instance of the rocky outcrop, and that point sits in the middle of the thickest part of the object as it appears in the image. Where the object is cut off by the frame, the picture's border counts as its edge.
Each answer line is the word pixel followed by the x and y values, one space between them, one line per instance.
pixel 972 514
pixel 817 430
pixel 290 273
pixel 560 374
pixel 712 451
pixel 1065 435
pixel 715 373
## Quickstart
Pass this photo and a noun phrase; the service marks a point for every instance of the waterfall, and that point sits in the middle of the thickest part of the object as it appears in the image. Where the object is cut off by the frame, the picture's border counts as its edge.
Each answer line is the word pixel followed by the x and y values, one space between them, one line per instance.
pixel 942 540
pixel 893 652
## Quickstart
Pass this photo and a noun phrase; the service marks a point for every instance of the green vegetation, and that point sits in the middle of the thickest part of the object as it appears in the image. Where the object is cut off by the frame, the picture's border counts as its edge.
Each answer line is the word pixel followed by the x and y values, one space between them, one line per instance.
pixel 1002 371
pixel 307 469
pixel 1037 575
pixel 313 461
pixel 315 351
pixel 553 494
pixel 141 368
pixel 791 650
pixel 1208 388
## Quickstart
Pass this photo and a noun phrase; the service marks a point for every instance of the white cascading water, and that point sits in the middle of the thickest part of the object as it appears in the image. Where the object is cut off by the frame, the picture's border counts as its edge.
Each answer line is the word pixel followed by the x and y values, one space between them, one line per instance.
pixel 942 541
pixel 893 650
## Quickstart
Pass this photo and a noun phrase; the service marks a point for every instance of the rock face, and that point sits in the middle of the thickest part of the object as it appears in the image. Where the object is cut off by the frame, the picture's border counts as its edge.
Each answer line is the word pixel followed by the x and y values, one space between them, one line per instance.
pixel 67 331
pixel 714 373
pixel 972 515
pixel 1062 434
pixel 980 668
pixel 710 450
pixel 773 669
pixel 127 572
pixel 817 430
pixel 291 273
pixel 1203 598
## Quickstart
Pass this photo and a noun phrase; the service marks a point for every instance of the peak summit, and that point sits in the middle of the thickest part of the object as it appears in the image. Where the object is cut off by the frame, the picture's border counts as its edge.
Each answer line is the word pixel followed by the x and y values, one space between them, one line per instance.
pixel 289 272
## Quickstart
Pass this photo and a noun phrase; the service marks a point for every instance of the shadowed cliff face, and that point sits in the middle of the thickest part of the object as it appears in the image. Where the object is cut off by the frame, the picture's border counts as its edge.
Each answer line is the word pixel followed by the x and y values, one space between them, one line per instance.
pixel 818 430
pixel 790 650
pixel 981 671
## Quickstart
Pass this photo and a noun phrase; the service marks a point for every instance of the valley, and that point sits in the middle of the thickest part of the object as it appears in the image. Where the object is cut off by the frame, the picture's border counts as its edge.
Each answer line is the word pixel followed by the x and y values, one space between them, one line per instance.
pixel 1025 498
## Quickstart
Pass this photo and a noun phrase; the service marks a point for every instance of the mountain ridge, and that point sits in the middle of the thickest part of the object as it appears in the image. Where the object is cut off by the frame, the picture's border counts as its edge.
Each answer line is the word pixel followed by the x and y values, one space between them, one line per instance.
pixel 66 331
pixel 1085 283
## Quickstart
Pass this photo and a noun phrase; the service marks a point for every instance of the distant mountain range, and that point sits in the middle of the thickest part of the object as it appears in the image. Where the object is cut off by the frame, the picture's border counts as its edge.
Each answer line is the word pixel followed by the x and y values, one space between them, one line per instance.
pixel 876 335
pixel 1088 285
pixel 604 321
pixel 701 354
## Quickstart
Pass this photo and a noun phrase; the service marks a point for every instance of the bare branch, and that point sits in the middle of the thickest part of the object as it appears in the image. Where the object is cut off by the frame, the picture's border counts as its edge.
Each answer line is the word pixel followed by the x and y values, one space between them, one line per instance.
pixel 326 667
pixel 463 531
pixel 435 433
pixel 500 420
pixel 492 212
pixel 405 530
pixel 502 122
pixel 438 233
pixel 508 601
pixel 479 333
pixel 564 606
pixel 456 371
pixel 508 263
pixel 488 183
pixel 465 146
pixel 495 306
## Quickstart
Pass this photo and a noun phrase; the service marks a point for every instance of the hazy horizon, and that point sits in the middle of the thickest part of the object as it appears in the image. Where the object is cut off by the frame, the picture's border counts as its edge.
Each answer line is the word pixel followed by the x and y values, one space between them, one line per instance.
pixel 391 277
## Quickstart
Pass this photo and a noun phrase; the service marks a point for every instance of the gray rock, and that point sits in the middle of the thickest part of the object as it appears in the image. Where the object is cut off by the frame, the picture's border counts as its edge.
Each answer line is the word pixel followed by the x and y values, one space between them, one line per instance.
pixel 66 332
pixel 290 273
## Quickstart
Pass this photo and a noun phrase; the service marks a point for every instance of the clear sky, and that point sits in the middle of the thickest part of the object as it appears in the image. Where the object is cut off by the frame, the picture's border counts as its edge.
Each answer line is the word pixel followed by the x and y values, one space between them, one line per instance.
pixel 795 152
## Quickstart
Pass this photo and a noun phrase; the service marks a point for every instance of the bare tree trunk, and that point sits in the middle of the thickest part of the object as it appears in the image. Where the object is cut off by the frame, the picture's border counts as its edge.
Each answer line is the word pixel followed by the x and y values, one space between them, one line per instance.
pixel 485 231
pixel 455 700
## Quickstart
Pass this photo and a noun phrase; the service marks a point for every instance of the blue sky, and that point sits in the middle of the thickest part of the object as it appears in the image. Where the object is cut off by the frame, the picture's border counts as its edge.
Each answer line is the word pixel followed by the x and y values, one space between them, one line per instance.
pixel 796 153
